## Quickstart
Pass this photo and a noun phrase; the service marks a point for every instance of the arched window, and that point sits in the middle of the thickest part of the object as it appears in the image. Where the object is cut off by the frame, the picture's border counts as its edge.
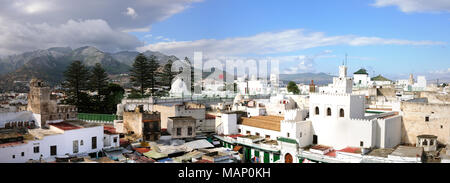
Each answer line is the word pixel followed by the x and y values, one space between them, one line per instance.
pixel 341 113
pixel 424 142
pixel 328 111
pixel 317 110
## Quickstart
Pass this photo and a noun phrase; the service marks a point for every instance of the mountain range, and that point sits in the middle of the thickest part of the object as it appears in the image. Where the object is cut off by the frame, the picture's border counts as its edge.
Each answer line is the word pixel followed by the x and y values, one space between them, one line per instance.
pixel 305 78
pixel 49 64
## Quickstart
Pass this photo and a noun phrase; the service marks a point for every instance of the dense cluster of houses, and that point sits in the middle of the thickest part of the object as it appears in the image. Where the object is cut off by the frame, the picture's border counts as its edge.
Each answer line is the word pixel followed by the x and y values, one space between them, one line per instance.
pixel 352 120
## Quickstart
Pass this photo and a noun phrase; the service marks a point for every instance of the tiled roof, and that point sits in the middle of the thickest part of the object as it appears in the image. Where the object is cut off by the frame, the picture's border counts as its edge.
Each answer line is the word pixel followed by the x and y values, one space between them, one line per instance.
pixel 356 150
pixel 380 78
pixel 361 71
pixel 65 126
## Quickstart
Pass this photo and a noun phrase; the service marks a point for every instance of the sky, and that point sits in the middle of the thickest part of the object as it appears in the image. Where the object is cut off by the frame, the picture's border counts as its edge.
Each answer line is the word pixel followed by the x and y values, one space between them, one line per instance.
pixel 389 37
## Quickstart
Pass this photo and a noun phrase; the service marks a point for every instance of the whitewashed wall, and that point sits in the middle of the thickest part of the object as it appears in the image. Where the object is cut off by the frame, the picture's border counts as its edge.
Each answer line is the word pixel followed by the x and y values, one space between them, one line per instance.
pixel 64 143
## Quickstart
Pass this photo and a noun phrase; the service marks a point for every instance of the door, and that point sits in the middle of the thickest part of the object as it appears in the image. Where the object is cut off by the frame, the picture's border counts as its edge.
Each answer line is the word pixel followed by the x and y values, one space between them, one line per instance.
pixel 247 154
pixel 288 158
pixel 266 157
pixel 94 142
pixel 315 141
pixel 53 151
pixel 75 146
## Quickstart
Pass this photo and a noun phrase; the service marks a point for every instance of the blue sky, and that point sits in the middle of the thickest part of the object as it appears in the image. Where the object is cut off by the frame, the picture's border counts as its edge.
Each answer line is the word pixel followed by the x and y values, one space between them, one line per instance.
pixel 388 37
pixel 215 19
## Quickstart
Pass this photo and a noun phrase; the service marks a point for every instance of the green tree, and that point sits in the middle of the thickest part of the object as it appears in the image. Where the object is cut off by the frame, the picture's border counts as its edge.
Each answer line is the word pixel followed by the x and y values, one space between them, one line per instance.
pixel 154 75
pixel 76 80
pixel 141 73
pixel 167 75
pixel 292 87
pixel 114 95
pixel 98 83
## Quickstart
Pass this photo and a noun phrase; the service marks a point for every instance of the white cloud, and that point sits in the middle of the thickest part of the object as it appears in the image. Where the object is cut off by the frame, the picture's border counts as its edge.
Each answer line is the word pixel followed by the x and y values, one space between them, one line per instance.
pixel 17 37
pixel 306 63
pixel 28 24
pixel 409 6
pixel 131 12
pixel 445 71
pixel 271 43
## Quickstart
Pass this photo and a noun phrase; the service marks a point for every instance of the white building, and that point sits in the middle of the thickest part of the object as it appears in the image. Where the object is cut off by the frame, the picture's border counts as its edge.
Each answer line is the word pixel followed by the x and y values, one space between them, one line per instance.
pixel 335 118
pixel 421 84
pixel 64 138
pixel 338 119
pixel 341 84
pixel 361 79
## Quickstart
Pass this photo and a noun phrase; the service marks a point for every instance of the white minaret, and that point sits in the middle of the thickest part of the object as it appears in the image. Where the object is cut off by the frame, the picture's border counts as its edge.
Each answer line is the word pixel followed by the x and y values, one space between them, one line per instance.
pixel 342 71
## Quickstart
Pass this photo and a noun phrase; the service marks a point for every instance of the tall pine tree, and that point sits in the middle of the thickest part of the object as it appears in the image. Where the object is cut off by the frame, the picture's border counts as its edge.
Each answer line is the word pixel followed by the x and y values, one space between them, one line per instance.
pixel 141 73
pixel 154 75
pixel 167 75
pixel 98 83
pixel 76 80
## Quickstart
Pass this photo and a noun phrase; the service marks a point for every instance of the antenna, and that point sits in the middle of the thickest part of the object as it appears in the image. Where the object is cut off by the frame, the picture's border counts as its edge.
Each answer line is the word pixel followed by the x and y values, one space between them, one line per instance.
pixel 345 59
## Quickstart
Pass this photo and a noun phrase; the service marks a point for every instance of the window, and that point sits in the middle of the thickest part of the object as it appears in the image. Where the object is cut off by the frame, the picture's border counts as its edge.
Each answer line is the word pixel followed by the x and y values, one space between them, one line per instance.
pixel 178 131
pixel 267 136
pixel 23 154
pixel 52 150
pixel 427 118
pixel 424 143
pixel 189 130
pixel 300 134
pixel 14 156
pixel 115 140
pixel 75 146
pixel 67 116
pixel 361 143
pixel 317 111
pixel 287 134
pixel 257 134
pixel 248 132
pixel 94 142
pixel 328 111
pixel 81 142
pixel 431 142
pixel 36 149
pixel 239 130
pixel 341 113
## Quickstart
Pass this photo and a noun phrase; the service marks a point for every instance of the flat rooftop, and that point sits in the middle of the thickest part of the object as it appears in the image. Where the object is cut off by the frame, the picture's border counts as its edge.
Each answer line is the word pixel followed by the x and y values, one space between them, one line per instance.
pixel 40 133
pixel 355 150
pixel 381 152
pixel 264 122
pixel 73 125
pixel 253 137
pixel 407 151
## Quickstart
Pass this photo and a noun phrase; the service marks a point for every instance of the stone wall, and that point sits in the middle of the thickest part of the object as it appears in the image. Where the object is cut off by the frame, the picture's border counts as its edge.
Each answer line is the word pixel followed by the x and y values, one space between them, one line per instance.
pixel 132 122
pixel 434 97
pixel 414 121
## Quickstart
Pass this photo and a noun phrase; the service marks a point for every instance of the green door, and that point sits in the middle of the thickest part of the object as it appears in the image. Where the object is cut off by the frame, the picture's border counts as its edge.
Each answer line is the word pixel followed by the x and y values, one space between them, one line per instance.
pixel 266 157
pixel 247 154
pixel 276 157
pixel 256 153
